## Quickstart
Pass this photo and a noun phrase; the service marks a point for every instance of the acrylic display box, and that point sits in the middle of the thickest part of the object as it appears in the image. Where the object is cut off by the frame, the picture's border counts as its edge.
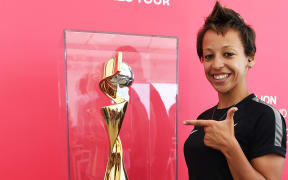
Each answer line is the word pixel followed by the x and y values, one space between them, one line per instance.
pixel 149 128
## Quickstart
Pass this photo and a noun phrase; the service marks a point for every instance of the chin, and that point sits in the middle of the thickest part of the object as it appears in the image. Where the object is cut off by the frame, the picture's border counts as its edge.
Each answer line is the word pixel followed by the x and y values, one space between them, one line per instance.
pixel 222 90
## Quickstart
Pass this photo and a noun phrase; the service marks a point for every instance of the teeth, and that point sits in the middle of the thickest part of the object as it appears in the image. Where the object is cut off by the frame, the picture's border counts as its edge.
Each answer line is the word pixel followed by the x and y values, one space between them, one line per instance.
pixel 222 76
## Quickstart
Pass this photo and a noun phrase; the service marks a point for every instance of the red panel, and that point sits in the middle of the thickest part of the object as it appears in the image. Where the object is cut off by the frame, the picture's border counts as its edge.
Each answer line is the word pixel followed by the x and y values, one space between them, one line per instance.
pixel 33 136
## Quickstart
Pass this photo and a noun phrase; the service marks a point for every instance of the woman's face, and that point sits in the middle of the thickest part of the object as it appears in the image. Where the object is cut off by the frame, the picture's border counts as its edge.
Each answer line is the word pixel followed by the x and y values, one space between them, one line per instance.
pixel 225 62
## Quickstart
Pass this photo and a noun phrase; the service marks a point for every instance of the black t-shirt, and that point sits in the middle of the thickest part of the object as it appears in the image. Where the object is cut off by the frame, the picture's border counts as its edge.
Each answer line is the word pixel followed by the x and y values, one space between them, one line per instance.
pixel 259 128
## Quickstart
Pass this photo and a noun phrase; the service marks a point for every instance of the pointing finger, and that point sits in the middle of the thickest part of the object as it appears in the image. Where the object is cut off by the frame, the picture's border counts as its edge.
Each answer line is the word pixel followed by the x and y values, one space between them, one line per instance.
pixel 198 122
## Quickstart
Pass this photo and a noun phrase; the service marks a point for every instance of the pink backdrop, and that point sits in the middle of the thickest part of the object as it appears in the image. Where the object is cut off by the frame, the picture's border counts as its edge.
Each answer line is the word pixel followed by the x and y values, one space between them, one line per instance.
pixel 33 129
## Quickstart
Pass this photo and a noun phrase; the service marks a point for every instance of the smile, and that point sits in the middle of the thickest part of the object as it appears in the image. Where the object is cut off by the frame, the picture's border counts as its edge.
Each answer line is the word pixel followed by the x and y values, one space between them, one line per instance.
pixel 220 76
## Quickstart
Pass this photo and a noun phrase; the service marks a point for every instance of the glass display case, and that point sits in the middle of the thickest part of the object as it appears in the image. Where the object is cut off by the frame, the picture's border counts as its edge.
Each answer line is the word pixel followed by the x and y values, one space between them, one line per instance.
pixel 148 131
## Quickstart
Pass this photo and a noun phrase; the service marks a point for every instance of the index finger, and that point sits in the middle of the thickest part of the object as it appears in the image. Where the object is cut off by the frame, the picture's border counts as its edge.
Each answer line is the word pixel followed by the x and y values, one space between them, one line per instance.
pixel 198 122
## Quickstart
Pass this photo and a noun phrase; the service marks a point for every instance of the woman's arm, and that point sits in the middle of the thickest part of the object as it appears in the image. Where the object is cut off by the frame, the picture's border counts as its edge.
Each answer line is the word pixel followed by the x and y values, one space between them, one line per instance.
pixel 270 166
pixel 267 167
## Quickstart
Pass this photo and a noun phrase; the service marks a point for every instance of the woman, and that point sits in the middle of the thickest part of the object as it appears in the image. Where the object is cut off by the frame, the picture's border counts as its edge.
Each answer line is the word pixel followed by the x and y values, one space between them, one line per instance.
pixel 241 137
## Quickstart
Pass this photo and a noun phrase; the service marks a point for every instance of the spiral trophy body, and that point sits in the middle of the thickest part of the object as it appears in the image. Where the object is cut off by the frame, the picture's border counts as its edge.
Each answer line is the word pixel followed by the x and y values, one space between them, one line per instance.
pixel 117 77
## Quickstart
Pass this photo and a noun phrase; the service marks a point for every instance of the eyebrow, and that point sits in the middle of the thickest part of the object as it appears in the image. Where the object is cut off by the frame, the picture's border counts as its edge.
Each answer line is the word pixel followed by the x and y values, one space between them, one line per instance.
pixel 224 47
pixel 209 49
pixel 227 47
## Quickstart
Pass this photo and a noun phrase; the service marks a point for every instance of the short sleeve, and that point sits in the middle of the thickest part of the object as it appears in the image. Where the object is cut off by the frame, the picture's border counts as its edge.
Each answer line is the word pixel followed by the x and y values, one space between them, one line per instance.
pixel 269 135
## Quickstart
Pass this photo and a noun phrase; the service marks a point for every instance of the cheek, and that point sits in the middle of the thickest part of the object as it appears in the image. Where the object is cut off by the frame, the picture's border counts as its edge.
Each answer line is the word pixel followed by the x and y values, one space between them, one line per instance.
pixel 241 65
pixel 206 67
pixel 241 68
pixel 206 70
pixel 240 71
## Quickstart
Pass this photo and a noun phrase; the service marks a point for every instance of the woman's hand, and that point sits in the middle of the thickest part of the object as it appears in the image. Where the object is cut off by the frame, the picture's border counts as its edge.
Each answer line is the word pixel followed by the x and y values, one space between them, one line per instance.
pixel 218 134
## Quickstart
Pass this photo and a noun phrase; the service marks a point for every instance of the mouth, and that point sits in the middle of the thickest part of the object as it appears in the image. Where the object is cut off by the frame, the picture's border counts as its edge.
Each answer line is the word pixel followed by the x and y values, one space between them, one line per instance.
pixel 220 77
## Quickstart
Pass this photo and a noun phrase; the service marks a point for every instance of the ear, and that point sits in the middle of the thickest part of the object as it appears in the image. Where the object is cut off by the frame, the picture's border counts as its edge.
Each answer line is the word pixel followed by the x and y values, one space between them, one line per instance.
pixel 251 61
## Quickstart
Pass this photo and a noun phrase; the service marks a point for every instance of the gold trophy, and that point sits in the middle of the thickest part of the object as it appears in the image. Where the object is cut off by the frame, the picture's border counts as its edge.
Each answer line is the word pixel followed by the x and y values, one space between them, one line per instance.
pixel 117 77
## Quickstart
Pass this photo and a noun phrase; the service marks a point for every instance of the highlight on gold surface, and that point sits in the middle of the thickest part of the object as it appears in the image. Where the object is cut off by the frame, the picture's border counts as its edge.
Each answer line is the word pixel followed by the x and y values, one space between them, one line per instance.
pixel 117 77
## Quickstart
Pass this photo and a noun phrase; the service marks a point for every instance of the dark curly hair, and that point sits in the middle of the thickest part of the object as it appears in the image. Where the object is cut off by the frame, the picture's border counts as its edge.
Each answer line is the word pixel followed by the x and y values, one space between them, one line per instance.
pixel 222 19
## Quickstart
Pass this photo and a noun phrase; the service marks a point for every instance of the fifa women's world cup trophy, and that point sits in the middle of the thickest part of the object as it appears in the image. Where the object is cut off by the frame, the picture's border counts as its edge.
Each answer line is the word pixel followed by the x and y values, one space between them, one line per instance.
pixel 117 77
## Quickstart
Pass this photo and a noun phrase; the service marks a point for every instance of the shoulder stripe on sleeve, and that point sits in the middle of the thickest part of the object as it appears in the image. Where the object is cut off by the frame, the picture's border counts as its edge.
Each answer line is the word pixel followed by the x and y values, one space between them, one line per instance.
pixel 278 124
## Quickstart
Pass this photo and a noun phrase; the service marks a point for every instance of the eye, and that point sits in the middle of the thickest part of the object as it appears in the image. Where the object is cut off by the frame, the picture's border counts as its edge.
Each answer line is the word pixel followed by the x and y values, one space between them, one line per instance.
pixel 208 57
pixel 228 54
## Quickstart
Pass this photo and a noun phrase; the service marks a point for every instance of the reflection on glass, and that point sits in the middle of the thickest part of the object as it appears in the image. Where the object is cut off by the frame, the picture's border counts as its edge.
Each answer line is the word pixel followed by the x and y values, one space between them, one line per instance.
pixel 148 131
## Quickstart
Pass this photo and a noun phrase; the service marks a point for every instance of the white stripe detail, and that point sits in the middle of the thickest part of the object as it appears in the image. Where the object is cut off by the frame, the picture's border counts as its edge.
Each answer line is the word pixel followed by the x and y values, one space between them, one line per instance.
pixel 278 129
pixel 278 123
pixel 193 131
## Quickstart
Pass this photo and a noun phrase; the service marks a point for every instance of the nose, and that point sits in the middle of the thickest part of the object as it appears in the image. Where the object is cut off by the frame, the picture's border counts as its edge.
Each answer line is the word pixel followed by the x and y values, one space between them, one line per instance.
pixel 218 62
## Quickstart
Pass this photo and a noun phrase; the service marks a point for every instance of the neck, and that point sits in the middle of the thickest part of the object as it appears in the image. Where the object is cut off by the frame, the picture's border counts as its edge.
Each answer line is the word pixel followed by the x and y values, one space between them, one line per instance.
pixel 231 98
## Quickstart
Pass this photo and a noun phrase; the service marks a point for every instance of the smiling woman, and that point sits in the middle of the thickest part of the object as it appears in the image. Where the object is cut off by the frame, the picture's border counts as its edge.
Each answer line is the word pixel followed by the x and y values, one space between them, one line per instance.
pixel 250 143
